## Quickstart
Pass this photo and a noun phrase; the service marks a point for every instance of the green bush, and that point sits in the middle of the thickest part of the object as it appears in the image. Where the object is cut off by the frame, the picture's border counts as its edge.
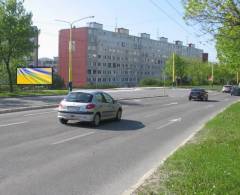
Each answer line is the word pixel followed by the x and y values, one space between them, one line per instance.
pixel 58 82
pixel 98 86
pixel 151 82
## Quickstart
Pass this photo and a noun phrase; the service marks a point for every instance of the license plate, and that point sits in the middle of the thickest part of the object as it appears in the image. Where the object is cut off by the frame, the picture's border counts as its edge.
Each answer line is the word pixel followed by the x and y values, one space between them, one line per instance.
pixel 72 108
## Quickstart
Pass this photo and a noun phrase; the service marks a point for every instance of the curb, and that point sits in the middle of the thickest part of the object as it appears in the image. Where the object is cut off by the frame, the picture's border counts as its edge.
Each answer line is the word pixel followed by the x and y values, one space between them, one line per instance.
pixel 145 97
pixel 27 108
pixel 27 96
pixel 56 105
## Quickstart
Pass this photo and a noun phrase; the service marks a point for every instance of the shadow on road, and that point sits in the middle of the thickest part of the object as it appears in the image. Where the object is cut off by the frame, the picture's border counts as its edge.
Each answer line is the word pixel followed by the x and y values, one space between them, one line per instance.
pixel 206 101
pixel 129 103
pixel 109 125
pixel 213 101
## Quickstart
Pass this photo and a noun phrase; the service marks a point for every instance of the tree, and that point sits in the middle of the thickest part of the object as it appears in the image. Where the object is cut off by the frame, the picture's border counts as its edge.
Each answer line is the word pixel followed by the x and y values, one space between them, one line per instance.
pixel 180 67
pixel 212 15
pixel 228 49
pixel 16 31
pixel 221 18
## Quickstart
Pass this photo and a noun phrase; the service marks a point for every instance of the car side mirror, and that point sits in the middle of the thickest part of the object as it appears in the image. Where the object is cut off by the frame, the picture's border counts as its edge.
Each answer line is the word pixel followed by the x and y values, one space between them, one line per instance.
pixel 114 101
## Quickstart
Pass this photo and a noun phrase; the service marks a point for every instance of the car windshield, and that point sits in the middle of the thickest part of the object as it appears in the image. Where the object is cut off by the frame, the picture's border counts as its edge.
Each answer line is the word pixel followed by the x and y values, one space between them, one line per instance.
pixel 197 90
pixel 79 97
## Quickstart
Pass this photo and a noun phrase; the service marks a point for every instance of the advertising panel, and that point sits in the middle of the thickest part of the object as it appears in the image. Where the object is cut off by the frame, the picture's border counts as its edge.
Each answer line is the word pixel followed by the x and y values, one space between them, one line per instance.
pixel 34 76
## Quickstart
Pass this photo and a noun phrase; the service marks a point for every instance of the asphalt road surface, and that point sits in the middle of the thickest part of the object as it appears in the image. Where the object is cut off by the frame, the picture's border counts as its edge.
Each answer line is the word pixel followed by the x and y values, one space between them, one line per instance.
pixel 40 156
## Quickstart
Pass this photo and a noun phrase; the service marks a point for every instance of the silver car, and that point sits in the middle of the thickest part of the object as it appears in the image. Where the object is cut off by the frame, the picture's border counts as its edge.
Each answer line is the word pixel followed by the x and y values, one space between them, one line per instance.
pixel 90 106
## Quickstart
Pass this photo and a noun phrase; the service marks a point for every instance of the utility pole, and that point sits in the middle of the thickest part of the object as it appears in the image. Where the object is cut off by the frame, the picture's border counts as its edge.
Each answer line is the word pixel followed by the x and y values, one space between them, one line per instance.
pixel 237 78
pixel 173 71
pixel 212 76
pixel 70 50
pixel 164 83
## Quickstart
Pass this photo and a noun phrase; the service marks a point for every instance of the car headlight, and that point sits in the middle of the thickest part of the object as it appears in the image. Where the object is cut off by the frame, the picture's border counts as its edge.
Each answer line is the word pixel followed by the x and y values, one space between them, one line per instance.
pixel 62 107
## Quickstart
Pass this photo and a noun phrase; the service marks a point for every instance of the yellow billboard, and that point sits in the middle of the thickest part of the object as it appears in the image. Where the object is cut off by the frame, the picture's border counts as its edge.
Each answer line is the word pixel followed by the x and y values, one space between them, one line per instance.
pixel 34 76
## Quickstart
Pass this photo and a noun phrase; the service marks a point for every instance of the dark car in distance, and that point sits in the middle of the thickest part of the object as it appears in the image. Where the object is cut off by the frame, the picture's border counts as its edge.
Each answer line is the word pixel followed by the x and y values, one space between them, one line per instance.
pixel 198 94
pixel 235 91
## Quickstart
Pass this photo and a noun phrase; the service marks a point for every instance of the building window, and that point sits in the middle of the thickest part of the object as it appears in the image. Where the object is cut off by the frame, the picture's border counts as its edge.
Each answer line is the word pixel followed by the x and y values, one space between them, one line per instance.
pixel 109 65
pixel 99 64
pixel 94 71
pixel 99 56
pixel 89 71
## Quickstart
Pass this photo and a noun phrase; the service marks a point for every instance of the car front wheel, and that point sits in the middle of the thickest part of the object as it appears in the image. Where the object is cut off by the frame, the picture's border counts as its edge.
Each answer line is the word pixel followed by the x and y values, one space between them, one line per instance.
pixel 63 121
pixel 118 115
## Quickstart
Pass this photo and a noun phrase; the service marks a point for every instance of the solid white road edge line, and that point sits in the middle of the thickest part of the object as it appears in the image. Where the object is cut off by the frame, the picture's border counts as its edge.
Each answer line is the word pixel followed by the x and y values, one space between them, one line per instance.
pixel 6 125
pixel 72 138
pixel 154 169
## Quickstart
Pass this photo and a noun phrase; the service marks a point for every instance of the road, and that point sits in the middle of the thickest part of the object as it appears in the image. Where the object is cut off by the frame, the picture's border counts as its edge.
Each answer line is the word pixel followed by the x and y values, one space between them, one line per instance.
pixel 38 155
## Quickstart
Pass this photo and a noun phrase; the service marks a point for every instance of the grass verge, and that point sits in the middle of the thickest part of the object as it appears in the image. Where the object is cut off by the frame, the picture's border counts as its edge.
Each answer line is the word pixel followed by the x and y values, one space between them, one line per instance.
pixel 208 164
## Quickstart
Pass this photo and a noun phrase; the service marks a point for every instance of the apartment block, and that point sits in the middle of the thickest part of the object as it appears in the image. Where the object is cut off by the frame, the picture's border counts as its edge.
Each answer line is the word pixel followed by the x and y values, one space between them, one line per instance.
pixel 106 57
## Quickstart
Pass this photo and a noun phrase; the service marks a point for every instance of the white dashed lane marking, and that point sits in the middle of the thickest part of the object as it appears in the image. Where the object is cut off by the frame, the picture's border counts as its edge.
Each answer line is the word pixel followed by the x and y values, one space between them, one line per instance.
pixel 72 138
pixel 10 124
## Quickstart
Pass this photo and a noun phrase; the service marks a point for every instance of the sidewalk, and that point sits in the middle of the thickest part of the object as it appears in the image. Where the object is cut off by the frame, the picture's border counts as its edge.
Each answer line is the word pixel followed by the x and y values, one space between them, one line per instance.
pixel 28 103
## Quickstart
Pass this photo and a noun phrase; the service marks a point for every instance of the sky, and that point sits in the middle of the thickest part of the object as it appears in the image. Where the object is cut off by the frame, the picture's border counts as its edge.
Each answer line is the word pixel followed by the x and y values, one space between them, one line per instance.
pixel 156 17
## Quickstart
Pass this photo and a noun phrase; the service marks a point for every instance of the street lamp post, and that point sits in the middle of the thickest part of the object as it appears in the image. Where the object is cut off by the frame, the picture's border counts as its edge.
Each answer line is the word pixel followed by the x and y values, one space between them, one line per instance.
pixel 173 70
pixel 212 75
pixel 70 49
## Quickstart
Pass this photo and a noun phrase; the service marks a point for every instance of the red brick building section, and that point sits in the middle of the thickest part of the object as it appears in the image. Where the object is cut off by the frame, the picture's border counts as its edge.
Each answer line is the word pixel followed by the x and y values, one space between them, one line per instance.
pixel 79 55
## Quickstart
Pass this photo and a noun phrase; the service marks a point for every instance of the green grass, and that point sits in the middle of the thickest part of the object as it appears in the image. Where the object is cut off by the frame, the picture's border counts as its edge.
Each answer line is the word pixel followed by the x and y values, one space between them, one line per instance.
pixel 208 164
pixel 32 93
